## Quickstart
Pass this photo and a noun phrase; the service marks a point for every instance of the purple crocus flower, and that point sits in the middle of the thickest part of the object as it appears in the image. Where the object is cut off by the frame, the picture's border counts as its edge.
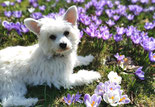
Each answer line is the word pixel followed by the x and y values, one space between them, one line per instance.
pixel 153 1
pixel 144 1
pixel 92 101
pixel 3 5
pixel 116 17
pixel 98 22
pixel 109 12
pixel 130 30
pixel 110 22
pixel 42 8
pixel 77 98
pixel 16 25
pixel 88 5
pixel 98 12
pixel 149 25
pixel 104 29
pixel 35 4
pixel 36 15
pixel 106 36
pixel 81 34
pixel 138 10
pixel 130 17
pixel 7 25
pixel 85 19
pixel 12 3
pixel 119 57
pixel 117 2
pixel 69 99
pixel 120 30
pixel 118 38
pixel 136 39
pixel 148 44
pixel 24 29
pixel 7 13
pixel 17 14
pixel 94 18
pixel 152 56
pixel 139 73
pixel 61 11
pixel 19 1
pixel 98 34
pixel 134 1
pixel 32 1
pixel 100 89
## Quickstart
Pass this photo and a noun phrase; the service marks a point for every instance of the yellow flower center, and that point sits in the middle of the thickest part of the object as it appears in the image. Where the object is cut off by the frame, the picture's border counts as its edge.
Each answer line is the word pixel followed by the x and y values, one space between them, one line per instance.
pixel 92 104
pixel 115 78
pixel 122 99
pixel 120 55
pixel 69 101
pixel 112 97
pixel 154 56
pixel 110 88
pixel 100 90
pixel 125 59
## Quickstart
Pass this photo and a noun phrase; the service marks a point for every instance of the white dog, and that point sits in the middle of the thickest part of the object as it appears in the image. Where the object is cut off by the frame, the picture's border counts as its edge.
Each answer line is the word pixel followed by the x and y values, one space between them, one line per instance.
pixel 51 61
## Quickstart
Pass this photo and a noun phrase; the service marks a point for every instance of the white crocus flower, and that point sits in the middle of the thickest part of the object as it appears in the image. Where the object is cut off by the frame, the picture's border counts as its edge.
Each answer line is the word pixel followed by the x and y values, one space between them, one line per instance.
pixel 31 10
pixel 113 77
pixel 112 97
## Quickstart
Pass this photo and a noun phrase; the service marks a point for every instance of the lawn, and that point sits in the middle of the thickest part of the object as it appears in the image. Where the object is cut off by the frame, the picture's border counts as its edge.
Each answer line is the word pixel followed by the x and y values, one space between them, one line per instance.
pixel 105 30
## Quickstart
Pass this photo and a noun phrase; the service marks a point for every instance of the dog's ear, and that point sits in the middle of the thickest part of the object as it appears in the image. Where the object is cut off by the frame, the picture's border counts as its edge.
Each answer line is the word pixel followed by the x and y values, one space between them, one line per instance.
pixel 71 15
pixel 32 25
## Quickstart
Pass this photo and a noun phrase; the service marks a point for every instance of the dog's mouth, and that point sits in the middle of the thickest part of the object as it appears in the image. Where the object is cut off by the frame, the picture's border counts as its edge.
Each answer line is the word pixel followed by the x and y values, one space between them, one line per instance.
pixel 63 51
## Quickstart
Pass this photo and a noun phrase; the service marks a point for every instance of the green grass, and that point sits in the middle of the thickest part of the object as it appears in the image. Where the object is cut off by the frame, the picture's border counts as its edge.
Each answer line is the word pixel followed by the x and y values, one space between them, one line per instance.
pixel 141 93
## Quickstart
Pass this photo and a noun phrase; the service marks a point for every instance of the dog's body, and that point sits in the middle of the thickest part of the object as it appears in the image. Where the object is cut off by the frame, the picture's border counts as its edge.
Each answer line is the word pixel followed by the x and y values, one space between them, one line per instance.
pixel 51 61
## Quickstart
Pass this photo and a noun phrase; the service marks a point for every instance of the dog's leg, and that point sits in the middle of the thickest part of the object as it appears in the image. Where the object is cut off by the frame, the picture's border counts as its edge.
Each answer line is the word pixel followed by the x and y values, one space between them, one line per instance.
pixel 18 101
pixel 83 77
pixel 12 94
pixel 84 60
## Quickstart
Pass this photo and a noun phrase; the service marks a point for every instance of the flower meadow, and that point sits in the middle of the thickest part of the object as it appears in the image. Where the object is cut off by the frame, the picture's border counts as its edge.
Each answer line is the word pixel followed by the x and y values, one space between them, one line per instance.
pixel 120 34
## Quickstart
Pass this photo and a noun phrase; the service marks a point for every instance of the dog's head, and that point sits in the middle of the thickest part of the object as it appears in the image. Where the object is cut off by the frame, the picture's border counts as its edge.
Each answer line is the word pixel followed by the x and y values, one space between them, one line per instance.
pixel 59 36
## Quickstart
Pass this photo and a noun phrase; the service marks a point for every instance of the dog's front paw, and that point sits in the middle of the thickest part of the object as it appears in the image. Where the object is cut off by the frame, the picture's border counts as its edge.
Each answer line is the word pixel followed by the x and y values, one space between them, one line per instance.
pixel 89 59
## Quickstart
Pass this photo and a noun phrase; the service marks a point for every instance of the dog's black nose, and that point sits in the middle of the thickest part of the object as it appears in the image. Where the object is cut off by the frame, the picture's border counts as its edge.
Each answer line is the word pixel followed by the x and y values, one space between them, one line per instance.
pixel 63 45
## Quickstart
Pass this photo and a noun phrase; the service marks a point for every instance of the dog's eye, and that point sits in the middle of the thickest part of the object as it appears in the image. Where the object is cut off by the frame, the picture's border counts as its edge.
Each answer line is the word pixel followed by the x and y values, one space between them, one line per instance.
pixel 53 37
pixel 66 33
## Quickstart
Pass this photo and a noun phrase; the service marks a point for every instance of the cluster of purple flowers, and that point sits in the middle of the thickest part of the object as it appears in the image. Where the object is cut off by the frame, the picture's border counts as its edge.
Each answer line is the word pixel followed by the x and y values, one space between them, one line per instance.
pixel 16 14
pixel 93 23
pixel 19 27
pixel 110 91
pixel 136 9
pixel 75 1
pixel 142 1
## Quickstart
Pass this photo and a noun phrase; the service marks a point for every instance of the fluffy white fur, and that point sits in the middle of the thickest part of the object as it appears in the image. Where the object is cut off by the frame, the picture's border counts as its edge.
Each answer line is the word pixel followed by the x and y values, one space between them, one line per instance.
pixel 45 62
